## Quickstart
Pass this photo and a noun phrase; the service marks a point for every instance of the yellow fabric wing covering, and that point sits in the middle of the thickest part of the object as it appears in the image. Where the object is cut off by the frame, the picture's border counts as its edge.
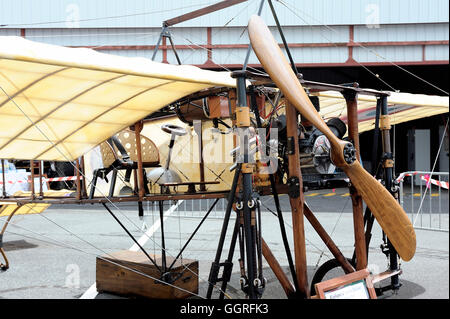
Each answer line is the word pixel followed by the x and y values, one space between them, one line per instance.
pixel 7 208
pixel 402 107
pixel 57 103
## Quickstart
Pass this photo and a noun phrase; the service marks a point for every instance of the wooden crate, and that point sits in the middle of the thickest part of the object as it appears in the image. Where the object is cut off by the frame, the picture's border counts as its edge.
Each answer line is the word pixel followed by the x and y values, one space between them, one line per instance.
pixel 118 278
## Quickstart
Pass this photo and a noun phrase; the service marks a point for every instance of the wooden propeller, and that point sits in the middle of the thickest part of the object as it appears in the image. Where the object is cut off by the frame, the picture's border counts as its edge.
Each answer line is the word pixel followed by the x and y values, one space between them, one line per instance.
pixel 389 214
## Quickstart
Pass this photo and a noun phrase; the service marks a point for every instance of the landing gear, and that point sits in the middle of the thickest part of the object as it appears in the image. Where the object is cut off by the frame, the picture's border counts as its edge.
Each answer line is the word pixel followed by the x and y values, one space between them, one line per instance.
pixel 329 269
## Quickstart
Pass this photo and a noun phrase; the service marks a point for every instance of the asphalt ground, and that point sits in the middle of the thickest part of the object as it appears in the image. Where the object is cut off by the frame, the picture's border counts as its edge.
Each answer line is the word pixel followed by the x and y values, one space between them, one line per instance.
pixel 52 255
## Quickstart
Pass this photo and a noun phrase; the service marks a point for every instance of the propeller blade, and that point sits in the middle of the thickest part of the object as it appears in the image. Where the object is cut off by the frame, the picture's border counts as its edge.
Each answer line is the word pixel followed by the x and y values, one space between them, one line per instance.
pixel 389 214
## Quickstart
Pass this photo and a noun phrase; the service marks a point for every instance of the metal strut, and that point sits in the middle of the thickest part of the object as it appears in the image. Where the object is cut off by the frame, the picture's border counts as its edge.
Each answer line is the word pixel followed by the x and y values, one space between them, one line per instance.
pixel 165 33
pixel 280 30
pixel 388 183
pixel 215 266
pixel 131 236
pixel 193 233
pixel 276 199
pixel 248 202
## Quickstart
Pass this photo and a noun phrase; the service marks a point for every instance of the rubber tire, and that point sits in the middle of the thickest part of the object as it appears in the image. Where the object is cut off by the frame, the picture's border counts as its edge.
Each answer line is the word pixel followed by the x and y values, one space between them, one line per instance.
pixel 323 270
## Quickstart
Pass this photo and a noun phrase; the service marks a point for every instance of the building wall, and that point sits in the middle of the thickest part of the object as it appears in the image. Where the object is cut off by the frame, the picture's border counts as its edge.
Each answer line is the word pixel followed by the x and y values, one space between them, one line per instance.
pixel 323 33
pixel 144 13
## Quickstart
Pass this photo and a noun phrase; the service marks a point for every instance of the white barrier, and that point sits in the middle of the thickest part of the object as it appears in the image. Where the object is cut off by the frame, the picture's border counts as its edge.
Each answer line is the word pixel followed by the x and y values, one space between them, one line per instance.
pixel 426 202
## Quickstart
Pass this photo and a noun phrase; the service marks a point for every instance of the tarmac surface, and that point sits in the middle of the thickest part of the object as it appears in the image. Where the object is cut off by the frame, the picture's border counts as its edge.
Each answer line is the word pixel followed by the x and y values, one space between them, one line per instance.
pixel 52 255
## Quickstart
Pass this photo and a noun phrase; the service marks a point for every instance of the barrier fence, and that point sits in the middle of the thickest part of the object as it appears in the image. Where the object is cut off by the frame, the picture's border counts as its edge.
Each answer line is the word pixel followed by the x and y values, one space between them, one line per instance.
pixel 192 208
pixel 425 198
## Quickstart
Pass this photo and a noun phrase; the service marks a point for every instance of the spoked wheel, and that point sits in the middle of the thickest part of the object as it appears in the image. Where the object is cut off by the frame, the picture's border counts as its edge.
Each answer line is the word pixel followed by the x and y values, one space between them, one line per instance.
pixel 330 269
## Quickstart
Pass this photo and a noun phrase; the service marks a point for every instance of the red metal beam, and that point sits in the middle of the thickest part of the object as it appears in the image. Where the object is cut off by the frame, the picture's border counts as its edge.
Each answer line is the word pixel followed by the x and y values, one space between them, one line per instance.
pixel 244 46
pixel 209 41
pixel 318 65
pixel 350 46
pixel 399 43
pixel 164 48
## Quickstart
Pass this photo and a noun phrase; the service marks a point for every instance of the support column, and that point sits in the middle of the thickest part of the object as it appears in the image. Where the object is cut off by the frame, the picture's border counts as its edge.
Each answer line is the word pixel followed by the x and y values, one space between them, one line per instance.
pixel 243 123
pixel 140 171
pixel 388 165
pixel 296 199
pixel 83 181
pixel 358 218
pixel 33 194
pixel 41 186
pixel 198 127
pixel 3 179
pixel 78 181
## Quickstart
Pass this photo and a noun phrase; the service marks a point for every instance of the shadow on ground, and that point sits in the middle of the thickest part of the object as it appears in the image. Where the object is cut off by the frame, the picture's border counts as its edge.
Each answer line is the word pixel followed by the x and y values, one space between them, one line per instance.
pixel 18 245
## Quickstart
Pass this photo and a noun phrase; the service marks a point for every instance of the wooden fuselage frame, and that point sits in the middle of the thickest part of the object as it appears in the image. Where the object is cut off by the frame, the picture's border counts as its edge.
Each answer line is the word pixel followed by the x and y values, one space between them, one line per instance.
pixel 299 208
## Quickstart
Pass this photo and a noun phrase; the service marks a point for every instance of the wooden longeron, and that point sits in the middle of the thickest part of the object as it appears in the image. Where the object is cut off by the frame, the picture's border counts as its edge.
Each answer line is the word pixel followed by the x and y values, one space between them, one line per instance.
pixel 120 273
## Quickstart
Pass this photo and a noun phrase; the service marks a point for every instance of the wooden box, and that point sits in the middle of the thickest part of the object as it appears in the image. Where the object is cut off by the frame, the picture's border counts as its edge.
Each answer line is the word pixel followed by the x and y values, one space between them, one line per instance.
pixel 114 274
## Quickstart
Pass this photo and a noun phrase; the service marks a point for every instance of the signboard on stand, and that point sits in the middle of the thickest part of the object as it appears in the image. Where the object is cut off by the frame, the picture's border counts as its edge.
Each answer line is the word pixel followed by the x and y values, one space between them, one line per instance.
pixel 356 285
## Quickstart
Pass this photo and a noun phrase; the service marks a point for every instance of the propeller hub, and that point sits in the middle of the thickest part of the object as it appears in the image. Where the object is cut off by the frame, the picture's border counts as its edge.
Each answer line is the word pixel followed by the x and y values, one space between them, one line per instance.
pixel 349 153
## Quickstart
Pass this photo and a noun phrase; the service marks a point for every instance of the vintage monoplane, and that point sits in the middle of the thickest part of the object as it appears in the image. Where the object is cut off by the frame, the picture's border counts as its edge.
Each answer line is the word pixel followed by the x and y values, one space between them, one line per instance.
pixel 60 103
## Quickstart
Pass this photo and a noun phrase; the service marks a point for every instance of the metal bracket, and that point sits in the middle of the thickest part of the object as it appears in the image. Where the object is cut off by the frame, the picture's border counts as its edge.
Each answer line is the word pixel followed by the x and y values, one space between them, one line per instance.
pixel 247 168
pixel 385 123
pixel 226 274
pixel 243 116
pixel 294 187
pixel 388 163
pixel 227 268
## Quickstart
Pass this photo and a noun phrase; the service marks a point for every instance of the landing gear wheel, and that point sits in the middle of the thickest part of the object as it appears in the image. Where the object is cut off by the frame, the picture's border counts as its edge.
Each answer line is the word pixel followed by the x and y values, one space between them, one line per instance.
pixel 327 268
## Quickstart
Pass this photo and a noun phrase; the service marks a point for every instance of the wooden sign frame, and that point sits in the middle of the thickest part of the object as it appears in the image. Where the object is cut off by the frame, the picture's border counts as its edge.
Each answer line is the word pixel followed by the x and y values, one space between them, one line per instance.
pixel 345 282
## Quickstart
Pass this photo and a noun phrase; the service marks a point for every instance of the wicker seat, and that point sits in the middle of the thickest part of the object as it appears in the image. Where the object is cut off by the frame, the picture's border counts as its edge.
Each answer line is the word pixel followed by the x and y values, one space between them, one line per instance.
pixel 120 153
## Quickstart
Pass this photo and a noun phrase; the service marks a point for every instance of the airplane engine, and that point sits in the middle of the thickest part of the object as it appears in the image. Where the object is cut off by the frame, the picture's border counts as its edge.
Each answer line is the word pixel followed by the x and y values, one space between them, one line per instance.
pixel 318 170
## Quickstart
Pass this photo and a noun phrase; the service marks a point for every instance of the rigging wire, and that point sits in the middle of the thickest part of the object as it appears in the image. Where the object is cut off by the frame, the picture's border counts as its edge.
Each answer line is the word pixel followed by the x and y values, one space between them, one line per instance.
pixel 358 62
pixel 428 185
pixel 65 245
pixel 332 232
pixel 90 34
pixel 362 46
pixel 227 23
pixel 105 18
pixel 84 177
pixel 331 42
pixel 220 30
pixel 319 250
